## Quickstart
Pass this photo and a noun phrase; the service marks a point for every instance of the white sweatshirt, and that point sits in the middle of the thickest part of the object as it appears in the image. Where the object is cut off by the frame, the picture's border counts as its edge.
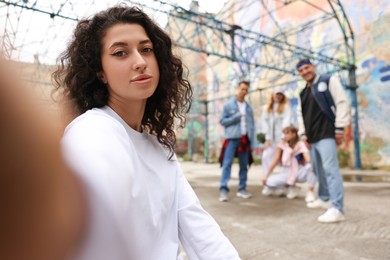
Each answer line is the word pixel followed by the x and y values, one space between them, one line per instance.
pixel 141 205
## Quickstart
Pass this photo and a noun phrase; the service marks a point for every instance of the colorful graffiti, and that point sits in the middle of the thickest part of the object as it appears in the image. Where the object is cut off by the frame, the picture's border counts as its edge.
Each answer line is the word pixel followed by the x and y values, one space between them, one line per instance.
pixel 370 21
pixel 373 60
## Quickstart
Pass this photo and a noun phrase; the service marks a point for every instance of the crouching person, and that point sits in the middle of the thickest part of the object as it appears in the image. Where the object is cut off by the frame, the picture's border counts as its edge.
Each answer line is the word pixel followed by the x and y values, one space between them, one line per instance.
pixel 294 159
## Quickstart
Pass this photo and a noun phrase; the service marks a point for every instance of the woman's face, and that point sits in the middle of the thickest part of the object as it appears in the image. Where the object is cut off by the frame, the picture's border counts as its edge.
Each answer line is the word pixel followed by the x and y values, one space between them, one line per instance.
pixel 288 135
pixel 130 67
pixel 278 97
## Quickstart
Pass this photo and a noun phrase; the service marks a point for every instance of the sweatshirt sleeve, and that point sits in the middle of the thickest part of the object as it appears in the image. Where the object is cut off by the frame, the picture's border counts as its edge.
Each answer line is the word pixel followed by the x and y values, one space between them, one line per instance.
pixel 265 124
pixel 340 99
pixel 200 235
pixel 287 117
pixel 301 126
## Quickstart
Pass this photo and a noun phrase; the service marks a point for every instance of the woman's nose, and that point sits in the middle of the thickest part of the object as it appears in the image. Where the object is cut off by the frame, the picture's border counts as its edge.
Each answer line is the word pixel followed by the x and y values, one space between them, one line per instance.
pixel 139 63
pixel 140 66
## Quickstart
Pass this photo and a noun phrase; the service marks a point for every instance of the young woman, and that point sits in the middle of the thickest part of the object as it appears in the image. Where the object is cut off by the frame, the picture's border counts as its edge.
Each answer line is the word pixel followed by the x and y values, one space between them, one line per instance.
pixel 128 87
pixel 293 157
pixel 277 115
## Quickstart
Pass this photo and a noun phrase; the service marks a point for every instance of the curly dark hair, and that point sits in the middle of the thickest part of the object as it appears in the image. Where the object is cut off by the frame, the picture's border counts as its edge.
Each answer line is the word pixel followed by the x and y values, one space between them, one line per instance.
pixel 79 63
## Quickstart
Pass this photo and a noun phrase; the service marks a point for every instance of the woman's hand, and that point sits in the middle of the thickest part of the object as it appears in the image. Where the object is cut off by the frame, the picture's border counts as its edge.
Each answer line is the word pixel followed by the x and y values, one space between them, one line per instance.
pixel 304 140
pixel 264 180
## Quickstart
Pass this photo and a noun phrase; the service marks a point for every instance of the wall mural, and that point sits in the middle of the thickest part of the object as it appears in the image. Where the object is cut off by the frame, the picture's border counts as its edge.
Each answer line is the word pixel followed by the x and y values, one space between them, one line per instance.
pixel 370 20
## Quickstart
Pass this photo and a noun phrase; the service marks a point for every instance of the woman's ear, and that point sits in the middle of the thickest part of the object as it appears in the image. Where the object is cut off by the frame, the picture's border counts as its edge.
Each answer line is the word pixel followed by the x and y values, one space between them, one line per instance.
pixel 101 76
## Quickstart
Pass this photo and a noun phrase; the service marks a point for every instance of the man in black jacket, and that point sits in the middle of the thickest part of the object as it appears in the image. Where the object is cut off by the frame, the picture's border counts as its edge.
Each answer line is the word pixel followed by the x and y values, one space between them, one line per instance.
pixel 323 114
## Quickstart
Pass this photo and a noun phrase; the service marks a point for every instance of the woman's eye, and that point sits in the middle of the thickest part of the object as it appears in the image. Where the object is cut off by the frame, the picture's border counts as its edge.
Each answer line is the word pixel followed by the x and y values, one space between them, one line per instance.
pixel 147 50
pixel 119 53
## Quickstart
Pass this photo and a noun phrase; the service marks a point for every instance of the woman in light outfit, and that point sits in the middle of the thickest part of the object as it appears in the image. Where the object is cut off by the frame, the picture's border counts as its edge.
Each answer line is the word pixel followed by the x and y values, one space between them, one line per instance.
pixel 294 159
pixel 276 116
pixel 127 87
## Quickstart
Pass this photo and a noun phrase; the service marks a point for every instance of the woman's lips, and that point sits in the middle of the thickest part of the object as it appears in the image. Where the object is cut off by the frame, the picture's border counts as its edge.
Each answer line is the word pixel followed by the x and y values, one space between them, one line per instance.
pixel 144 78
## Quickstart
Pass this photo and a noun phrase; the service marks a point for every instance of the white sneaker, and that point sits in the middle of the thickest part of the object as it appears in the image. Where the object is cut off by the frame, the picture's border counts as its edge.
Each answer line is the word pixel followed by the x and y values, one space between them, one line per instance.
pixel 291 193
pixel 332 215
pixel 319 204
pixel 223 196
pixel 267 191
pixel 310 196
pixel 243 194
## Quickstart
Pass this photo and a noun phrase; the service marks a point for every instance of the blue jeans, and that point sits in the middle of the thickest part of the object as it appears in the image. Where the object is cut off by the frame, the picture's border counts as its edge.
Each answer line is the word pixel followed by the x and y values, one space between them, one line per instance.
pixel 326 166
pixel 228 157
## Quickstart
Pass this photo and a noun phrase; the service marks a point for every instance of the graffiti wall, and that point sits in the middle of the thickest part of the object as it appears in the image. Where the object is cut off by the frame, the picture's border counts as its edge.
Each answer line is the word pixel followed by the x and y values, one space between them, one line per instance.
pixel 370 21
pixel 373 56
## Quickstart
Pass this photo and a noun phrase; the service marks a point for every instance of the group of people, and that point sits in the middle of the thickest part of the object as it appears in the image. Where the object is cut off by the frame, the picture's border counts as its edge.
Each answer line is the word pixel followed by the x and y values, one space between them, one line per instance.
pixel 304 153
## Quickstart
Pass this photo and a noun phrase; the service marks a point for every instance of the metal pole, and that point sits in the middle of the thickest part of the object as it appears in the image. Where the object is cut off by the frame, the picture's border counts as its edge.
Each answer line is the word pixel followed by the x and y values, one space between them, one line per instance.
pixel 206 140
pixel 358 164
pixel 355 120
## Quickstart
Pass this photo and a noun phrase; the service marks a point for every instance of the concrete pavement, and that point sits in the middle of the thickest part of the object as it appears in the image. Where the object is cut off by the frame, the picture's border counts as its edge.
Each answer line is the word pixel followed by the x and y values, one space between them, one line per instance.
pixel 278 228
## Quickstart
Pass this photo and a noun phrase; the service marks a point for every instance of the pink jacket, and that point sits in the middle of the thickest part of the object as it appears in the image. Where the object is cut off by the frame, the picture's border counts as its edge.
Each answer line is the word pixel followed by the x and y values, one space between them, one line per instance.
pixel 288 158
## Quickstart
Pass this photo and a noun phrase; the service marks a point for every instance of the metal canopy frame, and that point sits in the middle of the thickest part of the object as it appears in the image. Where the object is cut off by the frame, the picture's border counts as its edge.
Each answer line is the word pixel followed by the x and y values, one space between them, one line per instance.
pixel 268 57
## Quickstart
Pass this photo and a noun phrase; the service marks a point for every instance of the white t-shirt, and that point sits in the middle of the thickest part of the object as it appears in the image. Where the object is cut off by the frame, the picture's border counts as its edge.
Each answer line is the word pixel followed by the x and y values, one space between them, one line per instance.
pixel 141 205
pixel 242 108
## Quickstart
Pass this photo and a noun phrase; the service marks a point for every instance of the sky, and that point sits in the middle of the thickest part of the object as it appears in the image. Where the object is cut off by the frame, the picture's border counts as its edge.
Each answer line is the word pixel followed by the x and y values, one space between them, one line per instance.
pixel 39 36
pixel 210 6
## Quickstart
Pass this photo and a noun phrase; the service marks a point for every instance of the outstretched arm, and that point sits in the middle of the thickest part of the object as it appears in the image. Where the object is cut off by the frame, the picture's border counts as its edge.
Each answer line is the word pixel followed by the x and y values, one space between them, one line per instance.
pixel 41 202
